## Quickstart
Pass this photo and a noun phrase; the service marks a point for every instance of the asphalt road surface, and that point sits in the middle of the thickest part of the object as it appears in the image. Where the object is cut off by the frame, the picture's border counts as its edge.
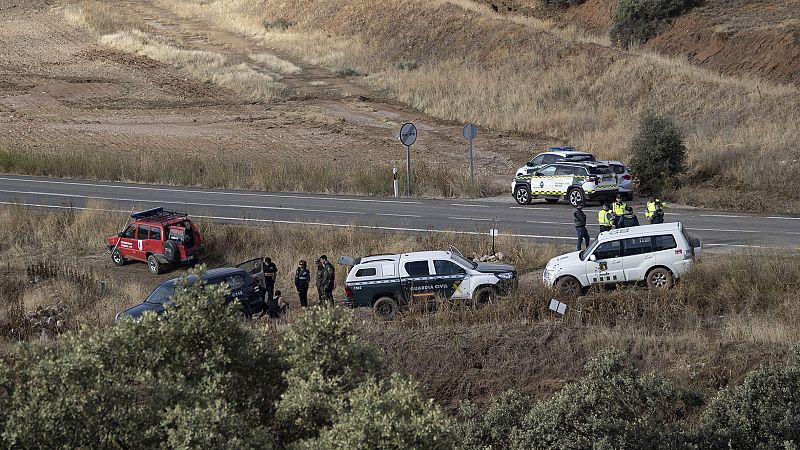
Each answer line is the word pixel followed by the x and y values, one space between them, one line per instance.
pixel 540 221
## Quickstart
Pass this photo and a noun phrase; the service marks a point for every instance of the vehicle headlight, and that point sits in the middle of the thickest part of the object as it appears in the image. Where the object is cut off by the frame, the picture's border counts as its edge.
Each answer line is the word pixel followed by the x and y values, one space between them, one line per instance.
pixel 505 275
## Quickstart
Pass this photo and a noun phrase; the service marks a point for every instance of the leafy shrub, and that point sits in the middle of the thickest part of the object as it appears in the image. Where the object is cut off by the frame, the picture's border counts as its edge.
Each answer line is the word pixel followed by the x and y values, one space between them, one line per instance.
pixel 493 428
pixel 326 360
pixel 344 72
pixel 658 154
pixel 762 413
pixel 612 407
pixel 636 21
pixel 386 414
pixel 129 385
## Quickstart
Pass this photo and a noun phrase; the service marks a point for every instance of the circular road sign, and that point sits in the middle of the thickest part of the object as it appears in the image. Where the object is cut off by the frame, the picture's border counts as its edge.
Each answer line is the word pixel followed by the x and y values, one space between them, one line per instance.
pixel 408 134
pixel 470 131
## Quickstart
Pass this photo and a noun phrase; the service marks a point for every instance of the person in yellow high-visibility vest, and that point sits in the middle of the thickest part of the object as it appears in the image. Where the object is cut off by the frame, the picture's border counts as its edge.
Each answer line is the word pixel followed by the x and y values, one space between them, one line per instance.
pixel 652 205
pixel 604 218
pixel 617 210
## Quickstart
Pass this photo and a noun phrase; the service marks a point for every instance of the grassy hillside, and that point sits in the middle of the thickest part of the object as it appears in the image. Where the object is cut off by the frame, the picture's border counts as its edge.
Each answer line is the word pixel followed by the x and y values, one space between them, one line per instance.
pixel 462 61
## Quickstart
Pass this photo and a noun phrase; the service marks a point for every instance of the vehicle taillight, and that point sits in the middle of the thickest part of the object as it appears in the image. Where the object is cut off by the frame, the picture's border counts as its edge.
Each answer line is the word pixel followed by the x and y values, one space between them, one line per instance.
pixel 348 292
pixel 626 177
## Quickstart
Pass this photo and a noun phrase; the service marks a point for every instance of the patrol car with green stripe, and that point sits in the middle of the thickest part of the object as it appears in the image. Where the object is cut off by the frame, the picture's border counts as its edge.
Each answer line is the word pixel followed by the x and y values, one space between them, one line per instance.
pixel 388 282
pixel 572 181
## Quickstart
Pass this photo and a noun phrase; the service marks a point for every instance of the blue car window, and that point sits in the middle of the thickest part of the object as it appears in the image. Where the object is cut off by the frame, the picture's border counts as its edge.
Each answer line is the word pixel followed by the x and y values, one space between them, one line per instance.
pixel 163 293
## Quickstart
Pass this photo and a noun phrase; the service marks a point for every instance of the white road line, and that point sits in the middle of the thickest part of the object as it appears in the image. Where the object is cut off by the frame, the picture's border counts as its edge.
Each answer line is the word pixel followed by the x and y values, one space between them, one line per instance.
pixel 783 218
pixel 469 218
pixel 721 215
pixel 535 222
pixel 725 231
pixel 398 215
pixel 339 225
pixel 469 206
pixel 275 208
pixel 191 191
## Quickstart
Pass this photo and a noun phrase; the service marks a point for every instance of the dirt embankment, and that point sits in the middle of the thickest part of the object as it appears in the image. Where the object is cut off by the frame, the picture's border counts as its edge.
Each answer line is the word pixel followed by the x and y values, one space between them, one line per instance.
pixel 734 37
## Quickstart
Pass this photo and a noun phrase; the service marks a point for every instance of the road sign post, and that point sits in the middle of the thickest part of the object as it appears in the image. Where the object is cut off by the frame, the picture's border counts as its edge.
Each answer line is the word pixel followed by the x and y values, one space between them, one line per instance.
pixel 408 135
pixel 394 180
pixel 470 131
pixel 494 232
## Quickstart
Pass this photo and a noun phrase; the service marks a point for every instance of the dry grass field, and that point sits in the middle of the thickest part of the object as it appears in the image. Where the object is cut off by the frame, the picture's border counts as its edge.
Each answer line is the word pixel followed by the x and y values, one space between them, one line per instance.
pixel 526 75
pixel 263 86
pixel 720 322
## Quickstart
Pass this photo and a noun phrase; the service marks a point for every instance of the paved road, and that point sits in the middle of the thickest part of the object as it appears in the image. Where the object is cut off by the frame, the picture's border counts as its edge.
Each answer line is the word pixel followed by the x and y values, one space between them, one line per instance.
pixel 539 221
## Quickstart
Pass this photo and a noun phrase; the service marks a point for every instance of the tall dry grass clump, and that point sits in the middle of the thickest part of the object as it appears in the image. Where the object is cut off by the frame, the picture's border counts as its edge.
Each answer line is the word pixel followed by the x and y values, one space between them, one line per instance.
pixel 518 74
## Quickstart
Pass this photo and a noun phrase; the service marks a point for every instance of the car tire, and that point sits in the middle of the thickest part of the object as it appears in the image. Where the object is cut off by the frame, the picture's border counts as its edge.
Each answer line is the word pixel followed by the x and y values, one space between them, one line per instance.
pixel 574 196
pixel 569 285
pixel 523 195
pixel 385 308
pixel 484 295
pixel 660 279
pixel 551 200
pixel 153 264
pixel 171 251
pixel 117 258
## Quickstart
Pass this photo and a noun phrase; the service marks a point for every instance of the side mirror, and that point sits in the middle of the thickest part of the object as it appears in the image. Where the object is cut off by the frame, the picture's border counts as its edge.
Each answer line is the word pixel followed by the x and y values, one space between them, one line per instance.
pixel 593 258
pixel 529 163
pixel 537 174
pixel 120 234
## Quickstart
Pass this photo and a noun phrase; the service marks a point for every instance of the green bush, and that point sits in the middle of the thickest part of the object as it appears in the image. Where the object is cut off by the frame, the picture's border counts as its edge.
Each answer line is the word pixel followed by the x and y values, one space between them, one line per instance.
pixel 612 407
pixel 657 154
pixel 326 360
pixel 127 386
pixel 493 428
pixel 636 21
pixel 386 414
pixel 762 413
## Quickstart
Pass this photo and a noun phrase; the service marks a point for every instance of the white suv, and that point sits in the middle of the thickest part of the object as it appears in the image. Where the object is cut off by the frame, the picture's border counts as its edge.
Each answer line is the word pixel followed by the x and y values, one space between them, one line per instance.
pixel 658 254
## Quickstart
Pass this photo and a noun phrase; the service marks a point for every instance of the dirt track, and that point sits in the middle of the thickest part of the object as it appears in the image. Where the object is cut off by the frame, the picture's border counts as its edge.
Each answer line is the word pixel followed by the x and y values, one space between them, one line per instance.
pixel 62 91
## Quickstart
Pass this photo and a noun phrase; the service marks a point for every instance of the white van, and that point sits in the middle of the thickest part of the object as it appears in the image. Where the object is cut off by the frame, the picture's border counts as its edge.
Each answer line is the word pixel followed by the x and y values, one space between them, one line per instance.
pixel 658 254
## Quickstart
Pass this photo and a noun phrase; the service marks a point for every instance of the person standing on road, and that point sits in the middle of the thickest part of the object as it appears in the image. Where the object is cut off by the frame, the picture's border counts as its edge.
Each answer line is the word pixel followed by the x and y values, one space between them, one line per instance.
pixel 330 279
pixel 604 218
pixel 658 215
pixel 652 205
pixel 322 281
pixel 628 219
pixel 618 210
pixel 302 278
pixel 270 273
pixel 580 225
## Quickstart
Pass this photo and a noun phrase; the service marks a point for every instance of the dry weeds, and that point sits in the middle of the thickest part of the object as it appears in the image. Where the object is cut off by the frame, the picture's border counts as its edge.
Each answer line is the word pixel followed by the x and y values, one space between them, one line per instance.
pixel 720 322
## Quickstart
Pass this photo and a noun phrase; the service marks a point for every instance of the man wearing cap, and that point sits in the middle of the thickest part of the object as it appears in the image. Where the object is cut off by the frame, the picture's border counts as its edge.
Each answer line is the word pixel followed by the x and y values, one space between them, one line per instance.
pixel 302 278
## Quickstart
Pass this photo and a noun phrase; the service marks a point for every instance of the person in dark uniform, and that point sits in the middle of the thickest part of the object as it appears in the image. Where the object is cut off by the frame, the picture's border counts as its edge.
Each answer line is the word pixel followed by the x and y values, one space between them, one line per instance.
pixel 579 218
pixel 270 273
pixel 658 215
pixel 330 279
pixel 322 281
pixel 629 219
pixel 302 278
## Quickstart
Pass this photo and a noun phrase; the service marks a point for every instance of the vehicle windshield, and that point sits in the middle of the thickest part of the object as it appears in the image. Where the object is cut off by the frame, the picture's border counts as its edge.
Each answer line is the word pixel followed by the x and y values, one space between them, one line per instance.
pixel 588 251
pixel 618 169
pixel 579 158
pixel 601 170
pixel 464 261
pixel 163 293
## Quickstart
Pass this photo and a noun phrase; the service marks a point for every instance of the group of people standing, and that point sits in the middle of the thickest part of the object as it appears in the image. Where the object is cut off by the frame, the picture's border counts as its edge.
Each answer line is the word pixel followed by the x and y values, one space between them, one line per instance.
pixel 325 279
pixel 617 215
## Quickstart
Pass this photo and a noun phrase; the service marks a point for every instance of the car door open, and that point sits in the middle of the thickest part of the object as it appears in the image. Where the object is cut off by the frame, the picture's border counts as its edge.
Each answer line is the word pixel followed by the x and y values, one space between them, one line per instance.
pixel 255 267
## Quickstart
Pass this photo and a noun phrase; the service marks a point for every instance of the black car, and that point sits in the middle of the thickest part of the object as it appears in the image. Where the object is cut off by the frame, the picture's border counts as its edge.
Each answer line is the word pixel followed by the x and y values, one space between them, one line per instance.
pixel 243 286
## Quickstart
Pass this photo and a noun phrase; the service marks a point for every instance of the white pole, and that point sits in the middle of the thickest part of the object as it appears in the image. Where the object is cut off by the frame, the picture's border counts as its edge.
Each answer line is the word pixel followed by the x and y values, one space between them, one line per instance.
pixel 395 182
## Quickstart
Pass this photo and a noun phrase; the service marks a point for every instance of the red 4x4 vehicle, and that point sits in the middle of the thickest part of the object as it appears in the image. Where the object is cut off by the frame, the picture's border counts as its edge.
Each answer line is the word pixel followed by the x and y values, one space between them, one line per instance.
pixel 159 237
